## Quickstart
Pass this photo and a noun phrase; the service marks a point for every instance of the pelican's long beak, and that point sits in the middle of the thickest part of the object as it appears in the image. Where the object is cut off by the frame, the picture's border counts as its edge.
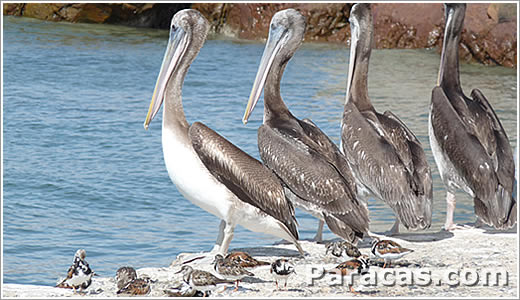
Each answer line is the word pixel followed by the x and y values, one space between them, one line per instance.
pixel 277 38
pixel 174 52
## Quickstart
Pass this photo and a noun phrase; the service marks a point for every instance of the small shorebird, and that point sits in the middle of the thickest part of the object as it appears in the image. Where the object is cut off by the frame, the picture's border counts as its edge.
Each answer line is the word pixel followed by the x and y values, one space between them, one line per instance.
pixel 201 280
pixel 124 275
pixel 388 250
pixel 79 274
pixel 281 270
pixel 245 260
pixel 229 270
pixel 137 286
pixel 358 266
pixel 182 289
pixel 342 249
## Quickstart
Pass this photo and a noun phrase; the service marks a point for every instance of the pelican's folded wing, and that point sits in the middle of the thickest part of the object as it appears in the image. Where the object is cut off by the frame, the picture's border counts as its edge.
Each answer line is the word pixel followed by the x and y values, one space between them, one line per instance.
pixel 242 174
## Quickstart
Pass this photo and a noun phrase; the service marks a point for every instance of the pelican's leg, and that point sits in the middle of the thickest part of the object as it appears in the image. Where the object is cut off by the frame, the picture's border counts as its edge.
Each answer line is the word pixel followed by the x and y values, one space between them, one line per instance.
pixel 395 229
pixel 450 209
pixel 220 237
pixel 228 236
pixel 318 238
pixel 207 257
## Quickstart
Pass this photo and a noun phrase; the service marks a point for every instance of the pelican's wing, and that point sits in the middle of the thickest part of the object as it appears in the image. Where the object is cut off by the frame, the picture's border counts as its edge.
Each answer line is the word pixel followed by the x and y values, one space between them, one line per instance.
pixel 245 176
pixel 412 155
pixel 379 166
pixel 310 168
pixel 493 138
pixel 493 201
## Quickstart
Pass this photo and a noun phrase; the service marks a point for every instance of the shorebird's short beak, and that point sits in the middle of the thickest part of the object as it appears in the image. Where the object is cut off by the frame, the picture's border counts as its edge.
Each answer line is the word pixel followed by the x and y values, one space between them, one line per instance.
pixel 174 52
pixel 277 37
pixel 178 271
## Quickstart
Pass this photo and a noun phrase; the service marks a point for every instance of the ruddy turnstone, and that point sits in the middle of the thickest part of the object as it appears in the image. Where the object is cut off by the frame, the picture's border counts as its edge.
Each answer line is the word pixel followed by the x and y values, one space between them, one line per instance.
pixel 245 260
pixel 388 250
pixel 124 275
pixel 358 266
pixel 343 248
pixel 138 286
pixel 281 269
pixel 202 280
pixel 79 274
pixel 229 270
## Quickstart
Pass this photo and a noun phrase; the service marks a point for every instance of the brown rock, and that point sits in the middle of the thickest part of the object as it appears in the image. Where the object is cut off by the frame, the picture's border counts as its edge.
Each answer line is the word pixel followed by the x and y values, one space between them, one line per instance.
pixel 43 11
pixel 502 12
pixel 13 9
pixel 93 13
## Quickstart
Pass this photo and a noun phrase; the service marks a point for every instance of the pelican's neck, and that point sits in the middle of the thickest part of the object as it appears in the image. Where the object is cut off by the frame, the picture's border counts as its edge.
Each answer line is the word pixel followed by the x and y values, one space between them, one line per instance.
pixel 360 50
pixel 359 86
pixel 449 68
pixel 173 114
pixel 273 103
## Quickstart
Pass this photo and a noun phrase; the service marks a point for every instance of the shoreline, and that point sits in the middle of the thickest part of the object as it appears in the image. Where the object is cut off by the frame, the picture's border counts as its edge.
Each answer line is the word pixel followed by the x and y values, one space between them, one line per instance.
pixel 466 252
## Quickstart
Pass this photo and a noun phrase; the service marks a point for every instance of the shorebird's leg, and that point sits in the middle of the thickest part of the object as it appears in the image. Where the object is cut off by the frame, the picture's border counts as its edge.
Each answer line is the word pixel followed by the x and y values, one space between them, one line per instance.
pixel 384 265
pixel 450 209
pixel 236 285
pixel 276 282
pixel 228 236
pixel 352 290
pixel 318 238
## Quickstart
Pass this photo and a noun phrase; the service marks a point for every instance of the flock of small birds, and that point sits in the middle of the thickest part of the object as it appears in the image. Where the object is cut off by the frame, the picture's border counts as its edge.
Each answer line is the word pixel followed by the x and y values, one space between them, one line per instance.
pixel 232 268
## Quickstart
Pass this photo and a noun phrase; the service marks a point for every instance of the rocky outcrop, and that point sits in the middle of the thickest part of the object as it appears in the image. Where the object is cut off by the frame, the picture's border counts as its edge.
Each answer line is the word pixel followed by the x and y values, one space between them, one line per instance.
pixel 153 15
pixel 489 34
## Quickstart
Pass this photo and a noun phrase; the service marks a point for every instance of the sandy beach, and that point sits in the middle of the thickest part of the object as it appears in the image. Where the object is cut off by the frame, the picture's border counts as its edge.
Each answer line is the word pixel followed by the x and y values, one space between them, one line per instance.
pixel 463 263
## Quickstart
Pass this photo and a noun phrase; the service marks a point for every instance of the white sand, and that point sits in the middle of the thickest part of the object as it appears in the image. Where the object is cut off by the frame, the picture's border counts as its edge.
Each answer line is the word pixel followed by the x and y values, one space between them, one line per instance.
pixel 470 251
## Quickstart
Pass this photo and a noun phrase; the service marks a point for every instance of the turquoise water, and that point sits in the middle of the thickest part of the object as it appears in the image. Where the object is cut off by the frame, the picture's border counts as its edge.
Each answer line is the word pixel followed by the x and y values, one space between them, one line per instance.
pixel 81 172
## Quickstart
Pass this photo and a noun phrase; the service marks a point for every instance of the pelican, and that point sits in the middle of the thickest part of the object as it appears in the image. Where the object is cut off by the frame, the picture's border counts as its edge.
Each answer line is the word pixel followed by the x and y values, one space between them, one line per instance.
pixel 207 169
pixel 468 142
pixel 314 172
pixel 386 158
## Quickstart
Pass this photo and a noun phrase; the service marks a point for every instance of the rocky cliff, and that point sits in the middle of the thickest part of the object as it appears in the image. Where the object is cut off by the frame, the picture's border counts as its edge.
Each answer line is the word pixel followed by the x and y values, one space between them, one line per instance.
pixel 489 34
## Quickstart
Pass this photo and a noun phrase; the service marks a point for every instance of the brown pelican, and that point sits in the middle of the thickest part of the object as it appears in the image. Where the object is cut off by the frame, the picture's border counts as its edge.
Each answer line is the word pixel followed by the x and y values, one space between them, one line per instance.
pixel 468 142
pixel 315 173
pixel 386 158
pixel 207 169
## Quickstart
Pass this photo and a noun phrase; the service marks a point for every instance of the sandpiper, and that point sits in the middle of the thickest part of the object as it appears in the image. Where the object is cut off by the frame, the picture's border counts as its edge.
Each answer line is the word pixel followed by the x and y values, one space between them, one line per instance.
pixel 124 275
pixel 202 280
pixel 229 270
pixel 358 266
pixel 138 286
pixel 245 260
pixel 79 274
pixel 388 250
pixel 281 269
pixel 342 249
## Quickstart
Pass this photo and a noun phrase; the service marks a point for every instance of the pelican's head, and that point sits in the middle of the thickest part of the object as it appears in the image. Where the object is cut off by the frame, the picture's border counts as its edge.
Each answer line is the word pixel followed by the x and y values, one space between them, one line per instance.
pixel 286 34
pixel 188 31
pixel 361 31
pixel 454 16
